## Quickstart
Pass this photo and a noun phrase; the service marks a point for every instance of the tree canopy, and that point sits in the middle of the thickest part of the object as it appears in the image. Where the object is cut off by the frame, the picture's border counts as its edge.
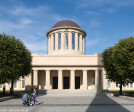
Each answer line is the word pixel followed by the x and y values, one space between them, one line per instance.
pixel 15 59
pixel 118 62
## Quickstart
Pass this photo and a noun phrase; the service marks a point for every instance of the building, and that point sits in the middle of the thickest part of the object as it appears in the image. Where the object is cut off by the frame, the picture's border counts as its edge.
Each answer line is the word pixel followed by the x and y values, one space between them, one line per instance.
pixel 66 68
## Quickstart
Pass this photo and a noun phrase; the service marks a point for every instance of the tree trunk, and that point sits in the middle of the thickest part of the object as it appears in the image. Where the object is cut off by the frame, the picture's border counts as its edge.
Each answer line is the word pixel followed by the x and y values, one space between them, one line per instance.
pixel 120 92
pixel 12 86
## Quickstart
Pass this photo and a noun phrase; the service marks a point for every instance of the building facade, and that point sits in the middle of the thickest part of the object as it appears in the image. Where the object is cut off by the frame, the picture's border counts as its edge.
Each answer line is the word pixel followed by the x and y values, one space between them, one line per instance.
pixel 67 68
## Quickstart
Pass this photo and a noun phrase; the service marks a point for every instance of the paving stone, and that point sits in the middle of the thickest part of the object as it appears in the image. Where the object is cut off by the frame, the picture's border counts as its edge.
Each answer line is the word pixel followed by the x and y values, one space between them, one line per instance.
pixel 71 103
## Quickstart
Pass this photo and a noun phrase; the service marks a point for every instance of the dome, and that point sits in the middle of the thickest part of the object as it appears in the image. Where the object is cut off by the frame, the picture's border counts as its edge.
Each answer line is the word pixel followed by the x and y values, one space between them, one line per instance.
pixel 66 23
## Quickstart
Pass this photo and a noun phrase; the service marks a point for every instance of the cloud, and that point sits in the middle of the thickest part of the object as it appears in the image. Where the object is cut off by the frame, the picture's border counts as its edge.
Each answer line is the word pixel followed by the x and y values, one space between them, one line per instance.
pixel 37 47
pixel 93 42
pixel 23 10
pixel 109 10
pixel 100 3
pixel 92 13
pixel 25 21
pixel 94 23
pixel 29 24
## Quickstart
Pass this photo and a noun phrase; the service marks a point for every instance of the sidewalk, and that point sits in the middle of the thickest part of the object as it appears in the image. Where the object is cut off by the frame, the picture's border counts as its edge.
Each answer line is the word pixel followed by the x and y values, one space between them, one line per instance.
pixel 6 98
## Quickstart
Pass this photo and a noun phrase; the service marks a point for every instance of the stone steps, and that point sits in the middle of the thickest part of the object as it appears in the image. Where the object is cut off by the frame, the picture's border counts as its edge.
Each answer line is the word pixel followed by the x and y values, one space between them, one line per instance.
pixel 66 91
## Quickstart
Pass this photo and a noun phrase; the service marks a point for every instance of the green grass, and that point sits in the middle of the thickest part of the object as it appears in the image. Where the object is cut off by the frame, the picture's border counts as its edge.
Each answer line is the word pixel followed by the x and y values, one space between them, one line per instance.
pixel 129 92
pixel 8 92
pixel 16 91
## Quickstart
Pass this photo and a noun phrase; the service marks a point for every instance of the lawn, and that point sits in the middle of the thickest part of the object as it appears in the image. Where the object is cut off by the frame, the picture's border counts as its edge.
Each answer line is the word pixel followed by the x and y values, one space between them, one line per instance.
pixel 8 92
pixel 125 92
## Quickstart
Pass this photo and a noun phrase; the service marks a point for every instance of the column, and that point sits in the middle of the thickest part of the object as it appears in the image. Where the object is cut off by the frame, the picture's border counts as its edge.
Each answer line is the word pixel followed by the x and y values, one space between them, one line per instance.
pixel 70 41
pixel 56 41
pixel 47 79
pixel 7 86
pixel 35 77
pixel 28 81
pixel 81 43
pixel 62 40
pixel 49 43
pixel 105 81
pixel 96 79
pixel 72 79
pixel 84 79
pixel 101 79
pixel 52 43
pixel 76 41
pixel 60 80
pixel 85 46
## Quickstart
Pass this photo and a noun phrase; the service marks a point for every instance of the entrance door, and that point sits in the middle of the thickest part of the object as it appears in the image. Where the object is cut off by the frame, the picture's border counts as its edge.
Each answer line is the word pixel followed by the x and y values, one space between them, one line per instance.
pixel 66 83
pixel 77 82
pixel 55 82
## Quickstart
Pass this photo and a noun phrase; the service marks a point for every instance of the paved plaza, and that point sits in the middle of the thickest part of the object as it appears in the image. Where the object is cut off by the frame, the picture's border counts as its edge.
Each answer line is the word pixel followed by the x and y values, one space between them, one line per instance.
pixel 71 103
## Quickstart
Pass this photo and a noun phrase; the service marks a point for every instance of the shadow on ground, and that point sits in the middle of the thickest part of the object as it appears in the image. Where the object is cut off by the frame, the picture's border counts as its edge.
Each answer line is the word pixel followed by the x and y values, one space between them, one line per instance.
pixel 102 103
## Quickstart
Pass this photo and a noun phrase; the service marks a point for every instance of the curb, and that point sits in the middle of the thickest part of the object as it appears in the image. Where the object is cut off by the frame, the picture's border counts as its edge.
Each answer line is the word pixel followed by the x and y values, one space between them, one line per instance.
pixel 120 96
pixel 131 98
pixel 6 98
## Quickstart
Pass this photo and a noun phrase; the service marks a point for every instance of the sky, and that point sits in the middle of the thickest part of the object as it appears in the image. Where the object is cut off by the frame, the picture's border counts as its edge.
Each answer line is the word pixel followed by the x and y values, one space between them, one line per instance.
pixel 105 21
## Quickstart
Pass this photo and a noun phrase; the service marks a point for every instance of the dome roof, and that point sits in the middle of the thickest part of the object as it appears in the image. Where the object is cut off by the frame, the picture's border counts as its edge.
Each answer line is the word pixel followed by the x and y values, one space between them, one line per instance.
pixel 66 23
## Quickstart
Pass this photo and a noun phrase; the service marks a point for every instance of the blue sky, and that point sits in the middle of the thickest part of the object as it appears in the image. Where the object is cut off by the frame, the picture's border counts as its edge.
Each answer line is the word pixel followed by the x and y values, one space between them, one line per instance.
pixel 105 21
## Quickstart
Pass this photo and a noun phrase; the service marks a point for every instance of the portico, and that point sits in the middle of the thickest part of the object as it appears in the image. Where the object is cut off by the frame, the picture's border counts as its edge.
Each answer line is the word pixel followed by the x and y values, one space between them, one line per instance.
pixel 67 79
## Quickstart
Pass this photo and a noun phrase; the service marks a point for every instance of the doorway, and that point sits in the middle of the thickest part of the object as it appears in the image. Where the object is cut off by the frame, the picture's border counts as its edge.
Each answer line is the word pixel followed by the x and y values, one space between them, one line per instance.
pixel 66 84
pixel 77 82
pixel 55 82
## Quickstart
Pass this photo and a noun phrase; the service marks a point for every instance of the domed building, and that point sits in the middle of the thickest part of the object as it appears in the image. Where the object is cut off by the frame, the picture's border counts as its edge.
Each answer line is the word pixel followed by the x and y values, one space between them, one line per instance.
pixel 66 38
pixel 66 68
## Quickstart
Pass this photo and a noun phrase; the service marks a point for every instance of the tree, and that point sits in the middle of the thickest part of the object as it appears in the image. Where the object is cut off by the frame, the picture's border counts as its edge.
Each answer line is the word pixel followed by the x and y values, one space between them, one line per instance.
pixel 118 61
pixel 15 59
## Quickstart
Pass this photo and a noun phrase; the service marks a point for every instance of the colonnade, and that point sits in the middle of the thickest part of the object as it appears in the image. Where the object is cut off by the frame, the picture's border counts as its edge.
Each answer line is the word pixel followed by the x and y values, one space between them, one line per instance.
pixel 60 79
pixel 79 44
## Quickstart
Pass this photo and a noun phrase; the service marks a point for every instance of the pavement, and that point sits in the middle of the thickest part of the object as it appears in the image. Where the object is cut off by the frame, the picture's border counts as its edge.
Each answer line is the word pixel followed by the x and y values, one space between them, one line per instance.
pixel 71 103
pixel 6 98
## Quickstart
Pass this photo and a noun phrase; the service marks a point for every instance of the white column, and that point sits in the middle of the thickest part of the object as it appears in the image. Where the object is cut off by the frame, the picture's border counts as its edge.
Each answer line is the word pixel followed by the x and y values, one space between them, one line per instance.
pixel 60 80
pixel 35 77
pixel 56 41
pixel 7 86
pixel 101 79
pixel 62 40
pixel 84 79
pixel 76 41
pixel 47 79
pixel 96 78
pixel 83 39
pixel 105 81
pixel 72 79
pixel 52 43
pixel 49 43
pixel 81 43
pixel 70 40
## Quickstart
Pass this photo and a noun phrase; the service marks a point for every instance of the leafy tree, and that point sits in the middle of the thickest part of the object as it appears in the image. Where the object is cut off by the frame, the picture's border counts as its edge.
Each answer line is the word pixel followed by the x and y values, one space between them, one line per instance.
pixel 15 59
pixel 118 62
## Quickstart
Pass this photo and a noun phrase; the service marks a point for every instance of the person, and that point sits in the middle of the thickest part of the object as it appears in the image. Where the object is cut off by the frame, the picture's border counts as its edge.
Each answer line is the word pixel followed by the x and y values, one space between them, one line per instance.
pixel 34 96
pixel 4 89
pixel 11 91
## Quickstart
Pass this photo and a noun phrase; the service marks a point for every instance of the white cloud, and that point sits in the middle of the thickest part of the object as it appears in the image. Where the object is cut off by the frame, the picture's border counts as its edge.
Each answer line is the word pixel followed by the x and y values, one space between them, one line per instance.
pixel 92 13
pixel 22 10
pixel 25 21
pixel 94 23
pixel 40 46
pixel 93 42
pixel 30 24
pixel 99 3
pixel 9 26
pixel 110 10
